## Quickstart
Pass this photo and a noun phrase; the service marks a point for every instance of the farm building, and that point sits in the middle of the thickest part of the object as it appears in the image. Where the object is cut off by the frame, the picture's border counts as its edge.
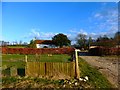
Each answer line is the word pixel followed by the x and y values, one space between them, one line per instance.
pixel 93 47
pixel 45 44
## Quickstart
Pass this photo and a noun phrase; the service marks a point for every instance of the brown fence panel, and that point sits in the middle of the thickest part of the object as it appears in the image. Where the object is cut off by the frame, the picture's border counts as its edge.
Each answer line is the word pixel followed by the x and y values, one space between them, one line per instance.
pixel 42 68
pixel 50 69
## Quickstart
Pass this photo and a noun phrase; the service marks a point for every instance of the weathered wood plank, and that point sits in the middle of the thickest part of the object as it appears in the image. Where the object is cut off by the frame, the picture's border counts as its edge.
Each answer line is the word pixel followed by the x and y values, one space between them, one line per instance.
pixel 50 68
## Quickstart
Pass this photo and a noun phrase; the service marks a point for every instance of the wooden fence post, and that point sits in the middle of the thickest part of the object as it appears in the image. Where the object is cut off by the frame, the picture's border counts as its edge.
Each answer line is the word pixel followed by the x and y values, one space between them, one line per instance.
pixel 25 58
pixel 76 64
pixel 13 71
pixel 26 66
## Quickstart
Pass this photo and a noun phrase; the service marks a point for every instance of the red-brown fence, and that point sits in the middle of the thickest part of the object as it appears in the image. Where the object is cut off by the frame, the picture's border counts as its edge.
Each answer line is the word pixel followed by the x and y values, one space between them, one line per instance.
pixel 104 51
pixel 6 50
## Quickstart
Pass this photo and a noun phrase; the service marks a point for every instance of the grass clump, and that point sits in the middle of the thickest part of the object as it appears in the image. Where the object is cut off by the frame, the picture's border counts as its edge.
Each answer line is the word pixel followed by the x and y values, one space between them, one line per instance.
pixel 18 64
pixel 8 80
pixel 29 82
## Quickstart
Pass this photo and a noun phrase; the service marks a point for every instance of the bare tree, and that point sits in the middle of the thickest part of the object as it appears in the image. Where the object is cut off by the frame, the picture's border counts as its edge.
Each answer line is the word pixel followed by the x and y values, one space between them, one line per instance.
pixel 81 40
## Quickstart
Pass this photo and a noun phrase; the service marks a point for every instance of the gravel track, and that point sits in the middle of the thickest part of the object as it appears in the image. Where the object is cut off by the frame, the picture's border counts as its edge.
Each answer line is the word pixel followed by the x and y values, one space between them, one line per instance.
pixel 108 66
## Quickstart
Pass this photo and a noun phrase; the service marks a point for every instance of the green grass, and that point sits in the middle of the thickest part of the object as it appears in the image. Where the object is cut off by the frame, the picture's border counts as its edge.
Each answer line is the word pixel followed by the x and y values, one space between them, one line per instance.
pixel 53 58
pixel 42 58
pixel 12 57
pixel 8 80
pixel 14 64
pixel 41 82
pixel 96 79
pixel 16 46
pixel 19 60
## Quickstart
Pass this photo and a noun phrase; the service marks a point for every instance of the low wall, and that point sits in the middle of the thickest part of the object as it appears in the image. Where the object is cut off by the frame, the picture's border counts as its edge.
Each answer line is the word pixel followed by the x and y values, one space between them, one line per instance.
pixel 50 69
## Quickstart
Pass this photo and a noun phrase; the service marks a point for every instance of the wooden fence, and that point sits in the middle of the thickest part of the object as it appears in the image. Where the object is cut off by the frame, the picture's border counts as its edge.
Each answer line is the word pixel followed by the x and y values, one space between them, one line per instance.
pixel 50 69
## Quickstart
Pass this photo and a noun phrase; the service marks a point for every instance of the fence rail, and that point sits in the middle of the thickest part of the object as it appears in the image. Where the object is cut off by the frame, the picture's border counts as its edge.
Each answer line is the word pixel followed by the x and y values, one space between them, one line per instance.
pixel 50 69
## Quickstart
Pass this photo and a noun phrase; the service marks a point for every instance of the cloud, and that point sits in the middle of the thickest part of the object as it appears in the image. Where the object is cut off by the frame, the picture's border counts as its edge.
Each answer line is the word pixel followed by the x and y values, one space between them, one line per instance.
pixel 43 35
pixel 104 3
pixel 39 35
pixel 72 31
pixel 104 21
pixel 82 32
pixel 98 15
pixel 34 33
pixel 47 35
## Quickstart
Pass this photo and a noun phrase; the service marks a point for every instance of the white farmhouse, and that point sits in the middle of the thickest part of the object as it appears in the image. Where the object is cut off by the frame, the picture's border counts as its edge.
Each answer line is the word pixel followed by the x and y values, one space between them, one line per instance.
pixel 44 44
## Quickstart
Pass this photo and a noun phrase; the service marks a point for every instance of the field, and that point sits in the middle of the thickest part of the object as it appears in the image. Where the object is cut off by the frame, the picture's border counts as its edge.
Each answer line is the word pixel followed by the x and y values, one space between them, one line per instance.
pixel 19 60
pixel 14 46
pixel 95 78
pixel 45 58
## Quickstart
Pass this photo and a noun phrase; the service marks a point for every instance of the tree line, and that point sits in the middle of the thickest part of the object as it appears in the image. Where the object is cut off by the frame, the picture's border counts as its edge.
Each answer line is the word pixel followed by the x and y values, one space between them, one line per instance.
pixel 14 43
pixel 82 41
pixel 59 40
pixel 105 41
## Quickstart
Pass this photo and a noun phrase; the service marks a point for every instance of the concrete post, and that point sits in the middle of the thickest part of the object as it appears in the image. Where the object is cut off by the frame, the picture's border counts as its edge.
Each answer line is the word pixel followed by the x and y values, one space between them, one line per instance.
pixel 76 64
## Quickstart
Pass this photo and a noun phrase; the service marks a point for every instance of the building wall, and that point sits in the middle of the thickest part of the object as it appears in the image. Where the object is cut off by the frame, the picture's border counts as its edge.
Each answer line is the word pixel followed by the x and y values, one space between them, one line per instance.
pixel 43 45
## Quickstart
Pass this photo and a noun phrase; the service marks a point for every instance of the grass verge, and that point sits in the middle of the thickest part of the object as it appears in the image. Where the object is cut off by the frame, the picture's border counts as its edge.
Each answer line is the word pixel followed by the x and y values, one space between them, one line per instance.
pixel 96 79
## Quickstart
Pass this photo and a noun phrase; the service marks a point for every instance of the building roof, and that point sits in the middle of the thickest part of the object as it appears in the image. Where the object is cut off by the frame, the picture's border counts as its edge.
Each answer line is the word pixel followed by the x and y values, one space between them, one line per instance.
pixel 44 42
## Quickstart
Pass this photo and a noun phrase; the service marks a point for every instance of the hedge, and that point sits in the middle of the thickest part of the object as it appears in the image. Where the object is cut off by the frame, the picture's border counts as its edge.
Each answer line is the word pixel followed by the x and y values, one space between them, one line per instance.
pixel 6 50
pixel 104 51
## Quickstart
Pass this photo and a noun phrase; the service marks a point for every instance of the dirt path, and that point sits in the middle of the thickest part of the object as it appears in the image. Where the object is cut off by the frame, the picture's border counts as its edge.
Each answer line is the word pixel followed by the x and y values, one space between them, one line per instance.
pixel 108 66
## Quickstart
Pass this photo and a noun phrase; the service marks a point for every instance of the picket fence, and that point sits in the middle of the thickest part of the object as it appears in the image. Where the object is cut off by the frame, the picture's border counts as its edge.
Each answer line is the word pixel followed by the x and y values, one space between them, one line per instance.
pixel 36 69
